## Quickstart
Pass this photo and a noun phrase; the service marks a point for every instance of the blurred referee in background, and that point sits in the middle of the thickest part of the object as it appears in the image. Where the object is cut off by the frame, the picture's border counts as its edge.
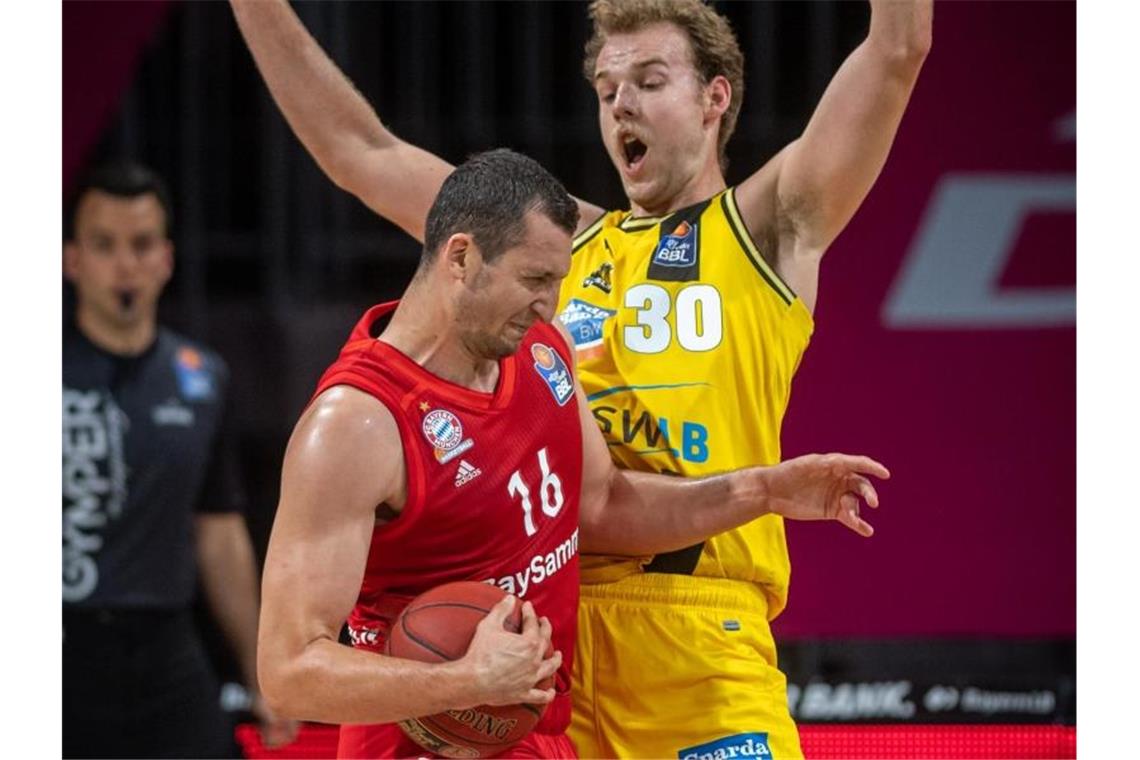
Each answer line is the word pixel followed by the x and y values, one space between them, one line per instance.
pixel 152 499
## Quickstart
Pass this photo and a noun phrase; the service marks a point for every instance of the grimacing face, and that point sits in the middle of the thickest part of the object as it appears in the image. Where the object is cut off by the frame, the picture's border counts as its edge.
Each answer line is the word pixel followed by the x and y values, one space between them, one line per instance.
pixel 120 259
pixel 515 290
pixel 653 113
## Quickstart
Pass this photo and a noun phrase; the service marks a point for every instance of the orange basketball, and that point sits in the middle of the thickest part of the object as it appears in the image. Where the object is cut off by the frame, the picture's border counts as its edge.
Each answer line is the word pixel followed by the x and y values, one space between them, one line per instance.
pixel 437 626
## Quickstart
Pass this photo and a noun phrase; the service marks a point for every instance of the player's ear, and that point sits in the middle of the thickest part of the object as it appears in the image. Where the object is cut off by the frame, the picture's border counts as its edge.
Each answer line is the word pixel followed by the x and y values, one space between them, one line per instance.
pixel 460 256
pixel 718 97
pixel 167 261
pixel 70 260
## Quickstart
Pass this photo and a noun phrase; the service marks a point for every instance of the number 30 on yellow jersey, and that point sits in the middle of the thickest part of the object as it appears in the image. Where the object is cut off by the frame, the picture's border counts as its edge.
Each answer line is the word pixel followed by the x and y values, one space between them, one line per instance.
pixel 697 316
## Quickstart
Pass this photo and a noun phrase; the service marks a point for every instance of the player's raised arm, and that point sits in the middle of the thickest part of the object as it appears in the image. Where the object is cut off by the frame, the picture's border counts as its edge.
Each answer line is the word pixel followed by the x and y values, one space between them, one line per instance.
pixel 343 461
pixel 336 124
pixel 338 127
pixel 803 198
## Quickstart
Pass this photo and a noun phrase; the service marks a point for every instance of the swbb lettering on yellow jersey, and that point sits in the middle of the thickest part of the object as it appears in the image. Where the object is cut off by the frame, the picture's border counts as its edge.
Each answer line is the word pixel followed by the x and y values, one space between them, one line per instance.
pixel 687 341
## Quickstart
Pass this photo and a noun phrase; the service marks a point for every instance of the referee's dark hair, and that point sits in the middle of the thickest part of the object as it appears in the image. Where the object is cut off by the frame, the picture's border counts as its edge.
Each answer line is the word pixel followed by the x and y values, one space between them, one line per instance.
pixel 124 179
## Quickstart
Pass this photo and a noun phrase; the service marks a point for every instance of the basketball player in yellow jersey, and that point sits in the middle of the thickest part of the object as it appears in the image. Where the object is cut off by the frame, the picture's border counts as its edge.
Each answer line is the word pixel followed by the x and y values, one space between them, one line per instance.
pixel 690 312
pixel 687 340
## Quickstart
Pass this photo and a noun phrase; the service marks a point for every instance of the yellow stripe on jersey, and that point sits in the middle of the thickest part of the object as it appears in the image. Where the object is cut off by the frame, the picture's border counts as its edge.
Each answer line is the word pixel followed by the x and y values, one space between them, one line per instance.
pixel 631 223
pixel 736 222
pixel 687 342
pixel 588 233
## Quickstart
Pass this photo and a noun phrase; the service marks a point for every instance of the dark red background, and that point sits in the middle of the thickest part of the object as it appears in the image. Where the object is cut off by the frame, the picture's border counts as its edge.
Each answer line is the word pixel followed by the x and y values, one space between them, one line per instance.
pixel 977 533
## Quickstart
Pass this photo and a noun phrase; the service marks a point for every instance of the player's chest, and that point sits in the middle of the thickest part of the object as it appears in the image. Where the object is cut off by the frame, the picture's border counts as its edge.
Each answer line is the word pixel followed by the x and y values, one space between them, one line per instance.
pixel 651 298
pixel 519 458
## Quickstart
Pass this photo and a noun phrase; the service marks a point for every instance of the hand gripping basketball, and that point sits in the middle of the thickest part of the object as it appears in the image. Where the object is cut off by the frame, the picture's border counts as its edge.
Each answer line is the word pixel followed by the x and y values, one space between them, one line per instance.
pixel 509 653
pixel 511 667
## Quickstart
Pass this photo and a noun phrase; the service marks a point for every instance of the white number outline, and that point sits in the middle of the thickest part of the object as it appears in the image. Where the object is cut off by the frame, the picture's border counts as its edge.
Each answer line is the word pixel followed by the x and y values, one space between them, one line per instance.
pixel 550 493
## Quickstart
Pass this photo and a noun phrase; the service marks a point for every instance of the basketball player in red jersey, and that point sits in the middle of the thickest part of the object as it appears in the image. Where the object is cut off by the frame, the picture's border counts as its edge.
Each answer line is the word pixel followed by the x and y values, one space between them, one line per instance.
pixel 450 441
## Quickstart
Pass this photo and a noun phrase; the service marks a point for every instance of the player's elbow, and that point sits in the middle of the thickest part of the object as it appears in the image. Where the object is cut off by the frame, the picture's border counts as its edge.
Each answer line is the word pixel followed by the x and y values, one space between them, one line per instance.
pixel 917 47
pixel 282 680
pixel 901 52
pixel 905 55
pixel 276 700
pixel 343 167
pixel 285 693
pixel 273 679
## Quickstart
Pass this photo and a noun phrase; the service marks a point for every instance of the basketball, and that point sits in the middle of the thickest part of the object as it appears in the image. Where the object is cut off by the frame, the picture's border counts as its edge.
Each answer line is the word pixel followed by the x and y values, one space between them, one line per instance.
pixel 437 626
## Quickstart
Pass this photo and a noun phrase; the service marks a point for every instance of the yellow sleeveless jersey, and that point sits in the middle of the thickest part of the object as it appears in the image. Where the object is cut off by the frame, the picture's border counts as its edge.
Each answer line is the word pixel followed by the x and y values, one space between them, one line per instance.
pixel 687 341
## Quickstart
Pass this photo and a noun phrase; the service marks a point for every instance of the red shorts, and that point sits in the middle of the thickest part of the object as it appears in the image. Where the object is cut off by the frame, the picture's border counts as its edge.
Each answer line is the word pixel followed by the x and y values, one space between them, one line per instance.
pixel 387 740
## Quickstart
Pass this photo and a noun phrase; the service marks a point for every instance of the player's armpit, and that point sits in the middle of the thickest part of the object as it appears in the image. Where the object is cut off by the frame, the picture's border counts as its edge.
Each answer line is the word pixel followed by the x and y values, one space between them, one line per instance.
pixel 817 183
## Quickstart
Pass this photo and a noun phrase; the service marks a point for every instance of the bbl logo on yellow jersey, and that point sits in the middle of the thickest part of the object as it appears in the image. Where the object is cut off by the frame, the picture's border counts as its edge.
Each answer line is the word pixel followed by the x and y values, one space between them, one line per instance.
pixel 676 258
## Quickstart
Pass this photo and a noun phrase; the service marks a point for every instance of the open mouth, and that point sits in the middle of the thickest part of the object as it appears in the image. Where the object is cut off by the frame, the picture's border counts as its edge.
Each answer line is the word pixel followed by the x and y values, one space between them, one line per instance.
pixel 634 151
pixel 126 299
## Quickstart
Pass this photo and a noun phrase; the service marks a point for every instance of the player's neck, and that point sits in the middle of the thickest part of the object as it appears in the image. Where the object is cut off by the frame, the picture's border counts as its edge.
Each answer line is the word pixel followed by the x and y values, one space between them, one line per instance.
pixel 117 339
pixel 703 186
pixel 424 331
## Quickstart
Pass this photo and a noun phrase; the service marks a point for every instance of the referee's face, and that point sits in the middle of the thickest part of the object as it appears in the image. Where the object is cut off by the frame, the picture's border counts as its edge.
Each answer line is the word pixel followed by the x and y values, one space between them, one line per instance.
pixel 120 259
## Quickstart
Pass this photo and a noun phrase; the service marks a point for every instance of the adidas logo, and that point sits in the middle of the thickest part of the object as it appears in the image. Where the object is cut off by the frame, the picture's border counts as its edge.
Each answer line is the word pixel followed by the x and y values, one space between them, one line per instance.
pixel 466 473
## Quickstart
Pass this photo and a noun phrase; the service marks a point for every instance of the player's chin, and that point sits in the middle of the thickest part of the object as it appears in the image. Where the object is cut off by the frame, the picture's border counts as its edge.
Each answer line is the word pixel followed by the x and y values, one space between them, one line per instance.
pixel 642 192
pixel 507 344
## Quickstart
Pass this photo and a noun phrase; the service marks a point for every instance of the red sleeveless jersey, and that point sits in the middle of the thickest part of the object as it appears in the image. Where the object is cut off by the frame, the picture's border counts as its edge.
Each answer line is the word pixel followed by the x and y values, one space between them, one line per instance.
pixel 494 481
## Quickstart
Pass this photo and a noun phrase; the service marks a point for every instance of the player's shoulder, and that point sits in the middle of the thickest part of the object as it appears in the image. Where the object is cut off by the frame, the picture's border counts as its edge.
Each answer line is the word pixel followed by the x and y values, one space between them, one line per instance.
pixel 351 417
pixel 602 220
pixel 349 443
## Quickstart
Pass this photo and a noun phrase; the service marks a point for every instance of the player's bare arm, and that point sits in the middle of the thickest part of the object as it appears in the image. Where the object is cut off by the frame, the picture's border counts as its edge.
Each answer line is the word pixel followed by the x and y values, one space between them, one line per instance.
pixel 799 202
pixel 334 122
pixel 343 461
pixel 338 127
pixel 634 513
pixel 639 513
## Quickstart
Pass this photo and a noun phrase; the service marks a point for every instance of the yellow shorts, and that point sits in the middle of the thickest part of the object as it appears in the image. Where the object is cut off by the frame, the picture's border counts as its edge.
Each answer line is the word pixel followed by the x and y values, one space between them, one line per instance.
pixel 672 666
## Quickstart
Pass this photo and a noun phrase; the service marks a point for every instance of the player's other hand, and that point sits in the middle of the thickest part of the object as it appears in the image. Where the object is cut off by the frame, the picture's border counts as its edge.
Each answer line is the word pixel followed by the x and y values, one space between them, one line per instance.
pixel 508 666
pixel 824 487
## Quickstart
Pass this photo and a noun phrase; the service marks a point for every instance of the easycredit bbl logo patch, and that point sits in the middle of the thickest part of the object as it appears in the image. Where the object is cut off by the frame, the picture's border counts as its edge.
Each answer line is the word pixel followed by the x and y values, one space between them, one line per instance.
pixel 678 249
pixel 194 379
pixel 677 255
pixel 552 369
pixel 735 747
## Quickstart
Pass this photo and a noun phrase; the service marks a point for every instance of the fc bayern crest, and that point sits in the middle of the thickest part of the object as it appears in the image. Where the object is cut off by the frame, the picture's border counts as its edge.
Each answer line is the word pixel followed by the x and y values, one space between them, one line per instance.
pixel 445 433
pixel 443 429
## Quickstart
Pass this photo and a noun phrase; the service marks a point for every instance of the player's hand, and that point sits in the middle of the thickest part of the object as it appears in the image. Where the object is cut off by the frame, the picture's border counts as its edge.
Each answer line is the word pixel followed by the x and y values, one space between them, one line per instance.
pixel 507 666
pixel 824 487
pixel 276 731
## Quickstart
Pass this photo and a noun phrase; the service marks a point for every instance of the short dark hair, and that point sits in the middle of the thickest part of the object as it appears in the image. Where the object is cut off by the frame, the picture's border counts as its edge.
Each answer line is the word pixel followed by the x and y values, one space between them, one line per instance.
pixel 124 179
pixel 488 196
